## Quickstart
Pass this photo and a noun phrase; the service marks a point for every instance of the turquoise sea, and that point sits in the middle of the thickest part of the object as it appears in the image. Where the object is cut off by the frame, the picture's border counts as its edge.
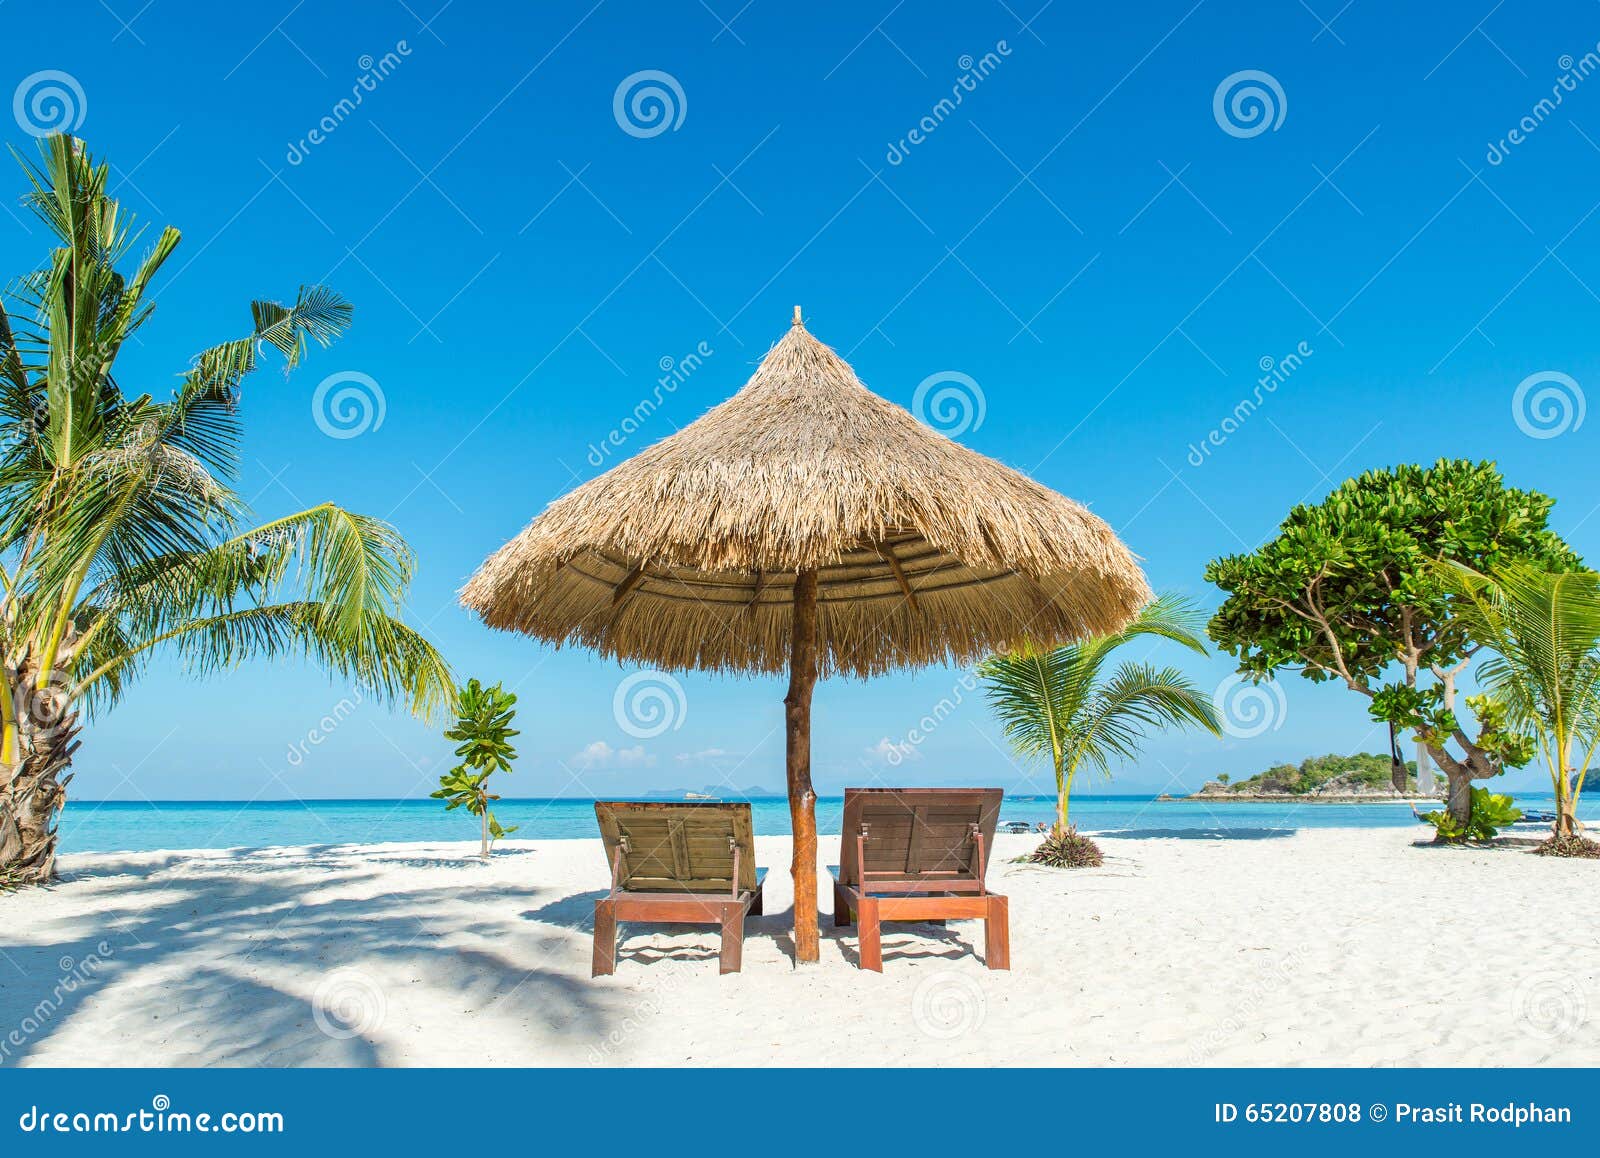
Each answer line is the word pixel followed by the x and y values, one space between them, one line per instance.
pixel 87 826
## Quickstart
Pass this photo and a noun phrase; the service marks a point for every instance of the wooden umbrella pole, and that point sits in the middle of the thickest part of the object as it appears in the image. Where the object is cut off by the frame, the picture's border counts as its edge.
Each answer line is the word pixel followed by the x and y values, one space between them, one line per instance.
pixel 802 800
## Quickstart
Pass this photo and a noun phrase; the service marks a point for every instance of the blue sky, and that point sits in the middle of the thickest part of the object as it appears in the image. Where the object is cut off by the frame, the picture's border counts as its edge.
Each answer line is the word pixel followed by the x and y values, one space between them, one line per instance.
pixel 1082 237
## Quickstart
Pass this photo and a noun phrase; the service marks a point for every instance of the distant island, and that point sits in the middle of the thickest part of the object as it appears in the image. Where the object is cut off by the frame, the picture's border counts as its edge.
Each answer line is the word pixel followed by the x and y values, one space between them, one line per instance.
pixel 1333 778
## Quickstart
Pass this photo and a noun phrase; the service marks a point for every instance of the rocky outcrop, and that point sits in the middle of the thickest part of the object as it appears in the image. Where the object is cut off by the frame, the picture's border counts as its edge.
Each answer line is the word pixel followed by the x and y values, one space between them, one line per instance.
pixel 1346 788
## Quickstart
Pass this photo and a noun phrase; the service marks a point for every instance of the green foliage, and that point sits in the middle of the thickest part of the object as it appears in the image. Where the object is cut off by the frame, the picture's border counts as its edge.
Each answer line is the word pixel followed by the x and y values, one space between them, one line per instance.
pixel 1490 813
pixel 1054 706
pixel 484 730
pixel 1423 710
pixel 1543 681
pixel 1357 586
pixel 1361 769
pixel 1223 778
pixel 1349 582
pixel 120 532
pixel 483 741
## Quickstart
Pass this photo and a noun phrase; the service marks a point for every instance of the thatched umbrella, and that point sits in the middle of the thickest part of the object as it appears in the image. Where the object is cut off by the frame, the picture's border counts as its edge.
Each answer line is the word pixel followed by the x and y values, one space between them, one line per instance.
pixel 808 525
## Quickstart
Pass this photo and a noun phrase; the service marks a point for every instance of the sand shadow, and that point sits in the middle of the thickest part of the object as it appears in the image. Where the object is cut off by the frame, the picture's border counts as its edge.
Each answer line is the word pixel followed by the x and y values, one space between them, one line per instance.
pixel 1199 834
pixel 575 912
pixel 151 954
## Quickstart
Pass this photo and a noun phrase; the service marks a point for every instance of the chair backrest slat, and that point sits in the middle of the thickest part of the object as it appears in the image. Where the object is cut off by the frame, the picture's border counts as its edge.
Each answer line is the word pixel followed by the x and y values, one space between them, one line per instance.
pixel 917 834
pixel 679 846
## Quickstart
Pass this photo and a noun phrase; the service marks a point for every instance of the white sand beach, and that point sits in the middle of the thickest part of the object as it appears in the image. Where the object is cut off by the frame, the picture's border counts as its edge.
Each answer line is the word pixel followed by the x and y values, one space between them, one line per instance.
pixel 1331 946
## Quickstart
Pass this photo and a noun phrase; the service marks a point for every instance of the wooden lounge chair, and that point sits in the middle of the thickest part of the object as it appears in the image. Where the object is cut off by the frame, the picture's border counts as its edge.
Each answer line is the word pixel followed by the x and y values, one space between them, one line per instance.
pixel 680 863
pixel 918 854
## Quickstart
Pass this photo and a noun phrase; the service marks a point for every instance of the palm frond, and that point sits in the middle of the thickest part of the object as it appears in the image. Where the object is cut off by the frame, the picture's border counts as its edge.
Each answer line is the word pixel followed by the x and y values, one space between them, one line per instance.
pixel 1138 699
pixel 390 660
pixel 121 532
pixel 1544 631
pixel 1028 692
pixel 1055 704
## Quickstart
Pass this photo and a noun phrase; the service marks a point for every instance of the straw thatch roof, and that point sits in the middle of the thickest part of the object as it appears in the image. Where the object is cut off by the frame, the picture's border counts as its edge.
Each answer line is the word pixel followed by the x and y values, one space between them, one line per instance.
pixel 685 555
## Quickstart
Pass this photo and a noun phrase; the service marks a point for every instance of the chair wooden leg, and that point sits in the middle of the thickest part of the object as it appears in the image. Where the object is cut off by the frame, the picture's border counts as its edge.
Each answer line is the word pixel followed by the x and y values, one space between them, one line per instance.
pixel 997 934
pixel 871 940
pixel 605 939
pixel 841 907
pixel 732 938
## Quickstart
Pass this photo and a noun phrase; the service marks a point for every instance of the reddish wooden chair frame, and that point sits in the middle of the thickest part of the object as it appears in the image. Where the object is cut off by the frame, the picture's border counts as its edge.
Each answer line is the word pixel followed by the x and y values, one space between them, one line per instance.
pixel 685 899
pixel 941 874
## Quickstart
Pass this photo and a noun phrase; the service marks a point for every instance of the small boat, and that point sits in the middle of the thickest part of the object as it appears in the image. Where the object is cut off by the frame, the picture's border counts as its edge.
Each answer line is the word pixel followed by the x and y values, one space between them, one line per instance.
pixel 1017 826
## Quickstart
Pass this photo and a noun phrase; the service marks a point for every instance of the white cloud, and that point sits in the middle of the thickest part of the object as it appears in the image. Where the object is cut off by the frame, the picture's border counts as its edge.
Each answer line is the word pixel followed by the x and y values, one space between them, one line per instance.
pixel 892 752
pixel 704 756
pixel 602 755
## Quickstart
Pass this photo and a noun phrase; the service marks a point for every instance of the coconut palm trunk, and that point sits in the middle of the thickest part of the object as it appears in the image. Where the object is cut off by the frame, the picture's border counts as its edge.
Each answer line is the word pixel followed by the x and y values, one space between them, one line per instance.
pixel 1063 795
pixel 1567 821
pixel 33 786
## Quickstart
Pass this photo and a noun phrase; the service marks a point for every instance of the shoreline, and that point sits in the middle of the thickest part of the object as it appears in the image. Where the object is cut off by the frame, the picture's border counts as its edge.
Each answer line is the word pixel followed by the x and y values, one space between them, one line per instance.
pixel 1288 798
pixel 468 849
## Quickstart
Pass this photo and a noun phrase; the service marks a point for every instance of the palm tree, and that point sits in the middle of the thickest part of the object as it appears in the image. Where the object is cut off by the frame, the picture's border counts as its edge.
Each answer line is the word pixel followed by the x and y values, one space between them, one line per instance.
pixel 1544 631
pixel 120 536
pixel 1053 705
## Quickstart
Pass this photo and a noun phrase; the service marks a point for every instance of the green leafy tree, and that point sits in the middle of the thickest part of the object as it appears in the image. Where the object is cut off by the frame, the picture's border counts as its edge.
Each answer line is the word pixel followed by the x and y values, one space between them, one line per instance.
pixel 483 737
pixel 121 536
pixel 1347 591
pixel 1490 813
pixel 1056 707
pixel 1544 674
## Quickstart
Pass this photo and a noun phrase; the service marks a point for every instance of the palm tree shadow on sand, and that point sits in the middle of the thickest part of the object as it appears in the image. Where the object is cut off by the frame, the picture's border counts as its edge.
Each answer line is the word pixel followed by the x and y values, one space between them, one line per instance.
pixel 232 964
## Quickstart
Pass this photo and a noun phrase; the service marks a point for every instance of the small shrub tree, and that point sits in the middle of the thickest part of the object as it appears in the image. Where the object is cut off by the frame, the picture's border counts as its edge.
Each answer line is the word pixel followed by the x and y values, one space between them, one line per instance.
pixel 483 733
